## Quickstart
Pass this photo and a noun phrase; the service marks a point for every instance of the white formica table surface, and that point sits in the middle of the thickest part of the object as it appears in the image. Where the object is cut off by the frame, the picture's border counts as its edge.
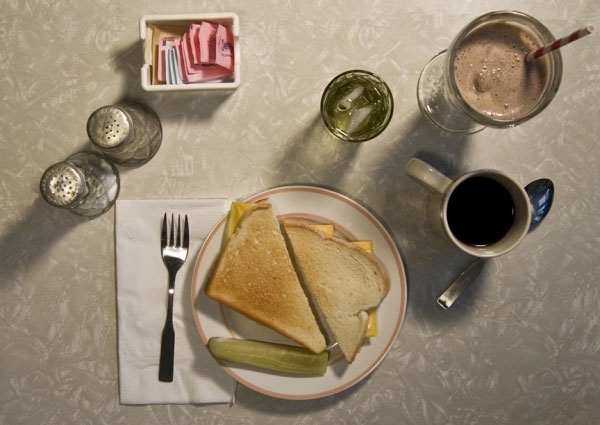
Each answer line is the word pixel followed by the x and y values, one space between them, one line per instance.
pixel 522 346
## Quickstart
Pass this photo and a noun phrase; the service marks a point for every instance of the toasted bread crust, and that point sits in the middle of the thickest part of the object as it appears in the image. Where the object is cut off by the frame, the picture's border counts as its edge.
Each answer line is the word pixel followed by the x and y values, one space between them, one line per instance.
pixel 343 279
pixel 254 275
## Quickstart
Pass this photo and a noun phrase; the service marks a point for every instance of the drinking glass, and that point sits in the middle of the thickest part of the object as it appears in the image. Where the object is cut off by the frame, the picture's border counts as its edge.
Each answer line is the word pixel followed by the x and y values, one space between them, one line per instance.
pixel 357 106
pixel 465 90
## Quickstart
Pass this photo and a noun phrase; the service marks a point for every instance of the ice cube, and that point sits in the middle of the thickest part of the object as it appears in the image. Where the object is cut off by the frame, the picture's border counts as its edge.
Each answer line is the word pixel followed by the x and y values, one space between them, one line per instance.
pixel 345 102
pixel 357 117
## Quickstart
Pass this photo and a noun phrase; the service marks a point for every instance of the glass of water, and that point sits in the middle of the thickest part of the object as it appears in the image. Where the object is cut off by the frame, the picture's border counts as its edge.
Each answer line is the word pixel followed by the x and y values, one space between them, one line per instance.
pixel 357 106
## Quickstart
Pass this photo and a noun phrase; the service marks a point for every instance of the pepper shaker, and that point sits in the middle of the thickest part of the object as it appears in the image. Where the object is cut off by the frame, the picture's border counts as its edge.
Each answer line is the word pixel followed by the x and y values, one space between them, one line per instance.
pixel 85 184
pixel 129 134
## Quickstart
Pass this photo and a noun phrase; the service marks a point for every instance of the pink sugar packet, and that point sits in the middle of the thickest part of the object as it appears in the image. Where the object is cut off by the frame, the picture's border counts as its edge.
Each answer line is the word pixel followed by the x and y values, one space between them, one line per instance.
pixel 194 42
pixel 160 63
pixel 207 41
pixel 198 72
pixel 187 50
pixel 224 48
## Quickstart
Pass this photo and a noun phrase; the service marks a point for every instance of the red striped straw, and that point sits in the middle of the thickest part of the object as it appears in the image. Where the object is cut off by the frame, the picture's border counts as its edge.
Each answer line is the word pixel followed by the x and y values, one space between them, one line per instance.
pixel 559 43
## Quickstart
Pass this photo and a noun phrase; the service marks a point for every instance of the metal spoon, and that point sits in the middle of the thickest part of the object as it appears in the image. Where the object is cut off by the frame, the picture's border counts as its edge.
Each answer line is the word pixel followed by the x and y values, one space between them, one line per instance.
pixel 541 195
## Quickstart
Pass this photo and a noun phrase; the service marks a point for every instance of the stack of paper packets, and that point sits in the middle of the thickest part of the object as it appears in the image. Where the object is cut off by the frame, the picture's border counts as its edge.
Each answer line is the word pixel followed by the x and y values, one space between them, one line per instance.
pixel 203 53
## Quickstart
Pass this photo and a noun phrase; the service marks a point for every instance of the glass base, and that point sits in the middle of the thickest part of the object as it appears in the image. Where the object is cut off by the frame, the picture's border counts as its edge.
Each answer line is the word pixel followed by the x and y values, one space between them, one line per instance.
pixel 434 104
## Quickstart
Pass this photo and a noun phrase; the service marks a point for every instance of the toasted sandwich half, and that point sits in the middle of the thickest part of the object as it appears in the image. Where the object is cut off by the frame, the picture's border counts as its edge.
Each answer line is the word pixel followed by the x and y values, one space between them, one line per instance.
pixel 344 280
pixel 254 275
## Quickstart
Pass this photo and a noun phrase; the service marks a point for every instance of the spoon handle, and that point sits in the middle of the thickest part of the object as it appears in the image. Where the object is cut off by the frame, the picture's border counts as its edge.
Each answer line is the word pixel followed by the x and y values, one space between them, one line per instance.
pixel 461 283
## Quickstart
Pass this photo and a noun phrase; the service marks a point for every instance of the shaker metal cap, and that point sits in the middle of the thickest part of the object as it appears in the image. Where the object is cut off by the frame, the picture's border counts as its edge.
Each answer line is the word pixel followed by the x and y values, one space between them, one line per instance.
pixel 62 185
pixel 109 127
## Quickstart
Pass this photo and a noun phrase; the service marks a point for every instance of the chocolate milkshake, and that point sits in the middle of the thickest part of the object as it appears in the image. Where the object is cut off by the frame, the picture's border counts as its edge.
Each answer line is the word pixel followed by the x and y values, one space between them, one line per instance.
pixel 492 76
pixel 482 79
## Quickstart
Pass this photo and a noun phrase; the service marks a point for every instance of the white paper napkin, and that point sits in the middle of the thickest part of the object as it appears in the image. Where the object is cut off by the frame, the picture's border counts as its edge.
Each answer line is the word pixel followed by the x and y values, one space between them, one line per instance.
pixel 142 284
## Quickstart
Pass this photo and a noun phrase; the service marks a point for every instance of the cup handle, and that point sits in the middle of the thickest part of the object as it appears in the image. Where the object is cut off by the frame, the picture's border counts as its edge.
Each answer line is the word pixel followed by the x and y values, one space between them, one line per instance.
pixel 427 176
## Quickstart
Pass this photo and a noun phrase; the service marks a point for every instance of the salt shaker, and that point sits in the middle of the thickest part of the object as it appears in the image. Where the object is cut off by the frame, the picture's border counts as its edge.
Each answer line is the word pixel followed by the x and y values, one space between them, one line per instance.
pixel 129 134
pixel 85 184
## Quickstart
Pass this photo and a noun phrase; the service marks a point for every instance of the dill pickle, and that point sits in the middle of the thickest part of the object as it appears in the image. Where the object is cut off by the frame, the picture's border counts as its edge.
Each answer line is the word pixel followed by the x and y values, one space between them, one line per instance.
pixel 287 359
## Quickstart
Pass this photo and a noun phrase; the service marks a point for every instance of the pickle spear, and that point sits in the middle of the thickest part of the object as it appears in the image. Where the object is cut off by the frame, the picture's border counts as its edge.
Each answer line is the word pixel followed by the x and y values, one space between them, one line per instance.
pixel 287 359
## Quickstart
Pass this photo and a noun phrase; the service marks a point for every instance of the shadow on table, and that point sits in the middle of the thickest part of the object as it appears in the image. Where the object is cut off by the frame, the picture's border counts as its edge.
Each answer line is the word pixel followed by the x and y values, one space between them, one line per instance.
pixel 173 106
pixel 431 261
pixel 254 401
pixel 32 237
pixel 317 155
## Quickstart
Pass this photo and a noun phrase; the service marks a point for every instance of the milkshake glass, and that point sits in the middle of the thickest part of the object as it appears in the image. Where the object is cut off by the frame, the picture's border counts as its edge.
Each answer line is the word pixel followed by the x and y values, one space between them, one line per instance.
pixel 482 80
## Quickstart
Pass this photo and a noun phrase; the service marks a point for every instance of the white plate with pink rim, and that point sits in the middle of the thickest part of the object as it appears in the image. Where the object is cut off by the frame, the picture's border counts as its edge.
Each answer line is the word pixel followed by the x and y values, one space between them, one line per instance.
pixel 353 222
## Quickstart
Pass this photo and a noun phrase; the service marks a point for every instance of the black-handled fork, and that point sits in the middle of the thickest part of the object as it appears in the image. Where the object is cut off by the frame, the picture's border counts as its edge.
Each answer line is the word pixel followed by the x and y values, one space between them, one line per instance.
pixel 174 253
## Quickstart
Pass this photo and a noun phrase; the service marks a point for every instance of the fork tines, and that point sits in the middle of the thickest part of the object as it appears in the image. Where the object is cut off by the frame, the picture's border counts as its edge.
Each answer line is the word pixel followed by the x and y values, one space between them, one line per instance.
pixel 168 237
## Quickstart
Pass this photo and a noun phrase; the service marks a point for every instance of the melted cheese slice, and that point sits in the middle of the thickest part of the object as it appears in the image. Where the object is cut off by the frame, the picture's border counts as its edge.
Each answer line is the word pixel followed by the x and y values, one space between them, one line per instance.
pixel 236 211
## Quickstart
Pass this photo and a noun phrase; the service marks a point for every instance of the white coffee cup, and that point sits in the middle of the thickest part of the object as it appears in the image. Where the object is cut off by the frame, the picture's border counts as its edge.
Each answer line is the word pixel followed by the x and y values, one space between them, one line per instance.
pixel 485 213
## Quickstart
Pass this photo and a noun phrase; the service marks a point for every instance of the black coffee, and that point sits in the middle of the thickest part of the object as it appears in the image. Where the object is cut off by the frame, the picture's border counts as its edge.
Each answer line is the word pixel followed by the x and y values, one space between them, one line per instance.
pixel 480 211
